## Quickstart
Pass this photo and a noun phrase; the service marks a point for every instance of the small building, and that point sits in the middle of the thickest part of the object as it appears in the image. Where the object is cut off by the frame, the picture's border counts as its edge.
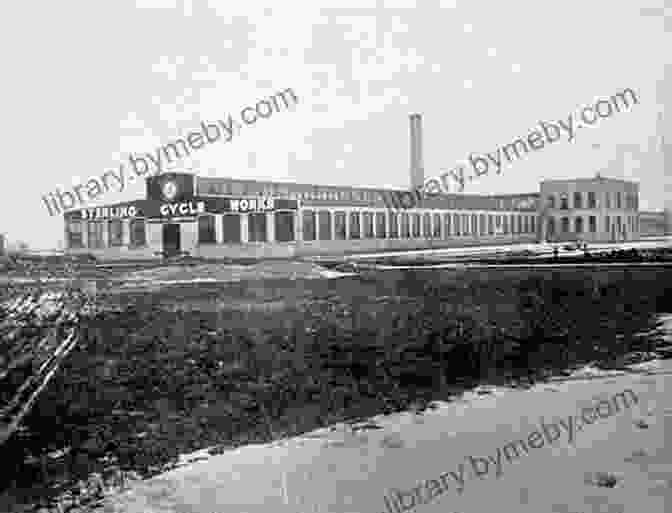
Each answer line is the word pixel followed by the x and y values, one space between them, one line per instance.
pixel 592 210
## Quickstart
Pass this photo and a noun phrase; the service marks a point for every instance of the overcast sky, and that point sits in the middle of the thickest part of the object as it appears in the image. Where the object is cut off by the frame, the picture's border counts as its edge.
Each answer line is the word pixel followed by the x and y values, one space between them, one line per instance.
pixel 85 83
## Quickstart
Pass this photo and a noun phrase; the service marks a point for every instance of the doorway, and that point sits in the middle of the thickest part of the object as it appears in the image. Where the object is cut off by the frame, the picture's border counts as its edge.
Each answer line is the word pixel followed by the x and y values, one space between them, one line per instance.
pixel 171 239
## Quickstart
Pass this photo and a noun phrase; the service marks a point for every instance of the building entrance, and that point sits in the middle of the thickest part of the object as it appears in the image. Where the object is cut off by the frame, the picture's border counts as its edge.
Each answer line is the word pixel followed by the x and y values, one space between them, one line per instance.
pixel 171 239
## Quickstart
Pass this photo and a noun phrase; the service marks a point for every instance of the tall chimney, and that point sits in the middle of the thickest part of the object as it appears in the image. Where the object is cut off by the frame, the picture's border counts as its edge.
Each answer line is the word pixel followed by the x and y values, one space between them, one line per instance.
pixel 417 168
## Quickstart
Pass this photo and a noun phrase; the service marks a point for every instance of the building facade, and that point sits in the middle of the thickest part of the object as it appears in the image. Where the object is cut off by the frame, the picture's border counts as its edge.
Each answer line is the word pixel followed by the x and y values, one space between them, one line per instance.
pixel 655 224
pixel 221 217
pixel 593 210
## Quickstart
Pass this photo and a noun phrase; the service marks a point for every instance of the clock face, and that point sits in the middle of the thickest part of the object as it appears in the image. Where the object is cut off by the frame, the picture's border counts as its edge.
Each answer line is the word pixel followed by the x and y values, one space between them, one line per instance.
pixel 169 190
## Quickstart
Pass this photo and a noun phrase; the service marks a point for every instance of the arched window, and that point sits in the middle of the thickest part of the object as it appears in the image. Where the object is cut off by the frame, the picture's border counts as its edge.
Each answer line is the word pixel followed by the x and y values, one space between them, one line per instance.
pixel 551 227
pixel 578 200
pixel 578 225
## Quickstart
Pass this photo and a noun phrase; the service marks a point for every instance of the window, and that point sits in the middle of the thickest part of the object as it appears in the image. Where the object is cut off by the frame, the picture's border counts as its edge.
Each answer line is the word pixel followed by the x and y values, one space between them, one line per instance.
pixel 578 225
pixel 324 218
pixel 608 200
pixel 533 224
pixel 380 225
pixel 618 200
pixel 607 224
pixel 550 201
pixel 394 228
pixel 257 227
pixel 284 226
pixel 368 225
pixel 115 230
pixel 513 224
pixel 464 219
pixel 437 226
pixel 520 224
pixel 592 224
pixel 340 222
pixel 526 224
pixel 565 225
pixel 426 225
pixel 231 229
pixel 474 224
pixel 138 233
pixel 446 226
pixel 456 224
pixel 74 230
pixel 309 228
pixel 551 227
pixel 95 234
pixel 405 228
pixel 491 224
pixel 354 225
pixel 564 202
pixel 592 200
pixel 505 225
pixel 206 230
pixel 578 200
pixel 416 226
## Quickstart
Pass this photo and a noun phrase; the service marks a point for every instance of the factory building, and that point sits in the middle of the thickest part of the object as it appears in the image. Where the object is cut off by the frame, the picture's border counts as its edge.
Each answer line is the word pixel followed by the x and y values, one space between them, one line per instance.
pixel 233 218
pixel 592 210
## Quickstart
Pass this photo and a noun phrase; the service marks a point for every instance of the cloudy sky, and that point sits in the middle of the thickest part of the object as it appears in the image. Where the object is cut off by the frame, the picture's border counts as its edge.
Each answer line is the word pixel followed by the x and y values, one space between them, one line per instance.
pixel 85 83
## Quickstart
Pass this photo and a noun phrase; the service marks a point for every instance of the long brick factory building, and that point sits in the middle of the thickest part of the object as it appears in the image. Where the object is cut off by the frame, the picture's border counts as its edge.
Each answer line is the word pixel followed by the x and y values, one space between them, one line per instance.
pixel 230 218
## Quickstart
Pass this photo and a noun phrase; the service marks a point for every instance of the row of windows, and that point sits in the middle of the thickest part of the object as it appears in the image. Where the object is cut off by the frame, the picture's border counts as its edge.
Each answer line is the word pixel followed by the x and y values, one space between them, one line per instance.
pixel 281 190
pixel 610 224
pixel 95 233
pixel 325 193
pixel 318 225
pixel 315 224
pixel 257 228
pixel 628 201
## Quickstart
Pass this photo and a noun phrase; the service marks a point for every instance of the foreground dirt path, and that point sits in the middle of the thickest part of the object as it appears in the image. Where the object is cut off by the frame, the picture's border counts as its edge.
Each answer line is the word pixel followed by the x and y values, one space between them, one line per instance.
pixel 338 470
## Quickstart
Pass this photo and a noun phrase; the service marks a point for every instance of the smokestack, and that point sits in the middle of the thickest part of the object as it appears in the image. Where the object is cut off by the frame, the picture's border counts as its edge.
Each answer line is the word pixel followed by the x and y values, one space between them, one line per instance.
pixel 417 168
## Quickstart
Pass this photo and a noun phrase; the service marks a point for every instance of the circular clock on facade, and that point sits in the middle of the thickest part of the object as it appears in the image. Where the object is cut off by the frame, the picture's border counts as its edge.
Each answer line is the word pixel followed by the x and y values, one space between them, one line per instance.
pixel 169 190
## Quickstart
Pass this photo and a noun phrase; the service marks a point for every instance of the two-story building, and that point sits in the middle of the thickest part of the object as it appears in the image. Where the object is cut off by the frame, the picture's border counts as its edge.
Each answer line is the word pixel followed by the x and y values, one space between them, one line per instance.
pixel 589 209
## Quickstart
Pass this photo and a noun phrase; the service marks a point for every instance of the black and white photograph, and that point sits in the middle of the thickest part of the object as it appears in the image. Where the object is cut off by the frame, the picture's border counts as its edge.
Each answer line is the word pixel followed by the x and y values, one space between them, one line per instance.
pixel 382 256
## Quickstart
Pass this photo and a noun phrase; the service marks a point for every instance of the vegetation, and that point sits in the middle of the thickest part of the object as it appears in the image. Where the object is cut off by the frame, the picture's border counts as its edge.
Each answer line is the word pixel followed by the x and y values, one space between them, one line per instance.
pixel 153 378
